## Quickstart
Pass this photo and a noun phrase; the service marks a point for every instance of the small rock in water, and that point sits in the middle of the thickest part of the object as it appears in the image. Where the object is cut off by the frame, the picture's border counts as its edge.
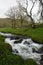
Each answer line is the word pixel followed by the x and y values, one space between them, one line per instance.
pixel 26 42
pixel 16 37
pixel 15 51
pixel 41 61
pixel 41 50
pixel 34 50
pixel 11 38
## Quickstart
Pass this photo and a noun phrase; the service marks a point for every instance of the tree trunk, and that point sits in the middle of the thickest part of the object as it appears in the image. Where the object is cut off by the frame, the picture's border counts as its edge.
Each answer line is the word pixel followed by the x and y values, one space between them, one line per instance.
pixel 21 21
pixel 33 22
pixel 12 23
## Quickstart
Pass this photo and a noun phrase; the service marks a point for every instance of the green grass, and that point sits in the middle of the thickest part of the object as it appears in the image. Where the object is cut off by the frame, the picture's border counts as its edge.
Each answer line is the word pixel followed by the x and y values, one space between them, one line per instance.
pixel 7 58
pixel 30 62
pixel 36 34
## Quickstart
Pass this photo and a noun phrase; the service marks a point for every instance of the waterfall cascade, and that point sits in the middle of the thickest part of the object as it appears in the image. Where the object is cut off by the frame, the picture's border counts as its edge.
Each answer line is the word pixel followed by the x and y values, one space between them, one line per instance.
pixel 26 48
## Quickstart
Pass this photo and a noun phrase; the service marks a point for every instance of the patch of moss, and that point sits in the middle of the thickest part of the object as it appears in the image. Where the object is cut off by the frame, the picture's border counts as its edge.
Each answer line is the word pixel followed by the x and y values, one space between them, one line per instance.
pixel 2 38
pixel 30 62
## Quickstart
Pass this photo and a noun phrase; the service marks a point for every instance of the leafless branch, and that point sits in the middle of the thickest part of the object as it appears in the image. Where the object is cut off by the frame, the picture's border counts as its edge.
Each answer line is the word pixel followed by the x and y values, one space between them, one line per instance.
pixel 32 8
pixel 42 7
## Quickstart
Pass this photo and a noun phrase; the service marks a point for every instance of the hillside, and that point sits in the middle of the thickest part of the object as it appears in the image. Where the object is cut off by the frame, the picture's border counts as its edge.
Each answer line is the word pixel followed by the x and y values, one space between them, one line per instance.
pixel 6 22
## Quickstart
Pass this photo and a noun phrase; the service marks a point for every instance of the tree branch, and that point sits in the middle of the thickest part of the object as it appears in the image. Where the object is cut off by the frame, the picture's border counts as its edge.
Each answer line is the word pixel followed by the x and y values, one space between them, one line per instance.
pixel 32 8
pixel 42 8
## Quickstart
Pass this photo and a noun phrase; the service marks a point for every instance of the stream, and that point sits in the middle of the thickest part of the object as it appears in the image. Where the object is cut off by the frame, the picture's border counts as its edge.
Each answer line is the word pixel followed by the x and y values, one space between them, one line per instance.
pixel 24 47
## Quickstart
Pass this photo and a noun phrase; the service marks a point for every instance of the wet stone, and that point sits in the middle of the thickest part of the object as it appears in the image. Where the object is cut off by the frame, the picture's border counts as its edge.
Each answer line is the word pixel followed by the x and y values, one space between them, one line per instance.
pixel 17 37
pixel 18 41
pixel 41 50
pixel 41 61
pixel 12 38
pixel 15 51
pixel 26 42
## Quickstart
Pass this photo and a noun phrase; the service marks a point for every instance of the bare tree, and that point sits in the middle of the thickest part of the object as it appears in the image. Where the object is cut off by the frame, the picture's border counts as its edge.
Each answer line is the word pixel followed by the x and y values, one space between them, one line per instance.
pixel 15 13
pixel 11 13
pixel 21 3
pixel 20 15
pixel 40 5
pixel 41 2
pixel 24 6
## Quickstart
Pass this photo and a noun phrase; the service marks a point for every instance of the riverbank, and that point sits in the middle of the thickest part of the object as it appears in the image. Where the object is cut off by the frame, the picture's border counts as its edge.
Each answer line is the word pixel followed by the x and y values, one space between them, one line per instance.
pixel 36 34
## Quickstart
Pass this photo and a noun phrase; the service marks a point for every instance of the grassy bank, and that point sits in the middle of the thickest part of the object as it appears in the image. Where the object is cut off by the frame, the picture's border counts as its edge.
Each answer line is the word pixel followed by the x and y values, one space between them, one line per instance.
pixel 7 58
pixel 36 34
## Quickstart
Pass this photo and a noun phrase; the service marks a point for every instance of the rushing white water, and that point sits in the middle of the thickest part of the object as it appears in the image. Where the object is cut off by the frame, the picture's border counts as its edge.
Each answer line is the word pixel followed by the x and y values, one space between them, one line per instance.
pixel 27 48
pixel 6 34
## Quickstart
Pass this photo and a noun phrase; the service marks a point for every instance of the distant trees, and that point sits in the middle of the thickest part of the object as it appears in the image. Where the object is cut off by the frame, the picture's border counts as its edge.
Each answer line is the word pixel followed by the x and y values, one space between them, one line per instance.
pixel 24 6
pixel 15 13
pixel 11 13
pixel 20 15
pixel 21 11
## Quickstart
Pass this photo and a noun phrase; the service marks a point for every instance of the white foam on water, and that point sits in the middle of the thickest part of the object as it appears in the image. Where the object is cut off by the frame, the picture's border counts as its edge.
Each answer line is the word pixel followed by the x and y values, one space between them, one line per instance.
pixel 6 34
pixel 25 48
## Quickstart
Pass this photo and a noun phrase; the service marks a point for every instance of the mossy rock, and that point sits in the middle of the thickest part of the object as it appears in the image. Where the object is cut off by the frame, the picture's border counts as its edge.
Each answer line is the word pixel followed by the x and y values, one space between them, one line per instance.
pixel 30 62
pixel 5 49
pixel 2 38
pixel 6 56
pixel 33 49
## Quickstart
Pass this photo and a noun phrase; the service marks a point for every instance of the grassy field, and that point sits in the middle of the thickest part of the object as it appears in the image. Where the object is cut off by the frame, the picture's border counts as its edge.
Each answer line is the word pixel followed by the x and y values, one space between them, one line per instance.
pixel 36 34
